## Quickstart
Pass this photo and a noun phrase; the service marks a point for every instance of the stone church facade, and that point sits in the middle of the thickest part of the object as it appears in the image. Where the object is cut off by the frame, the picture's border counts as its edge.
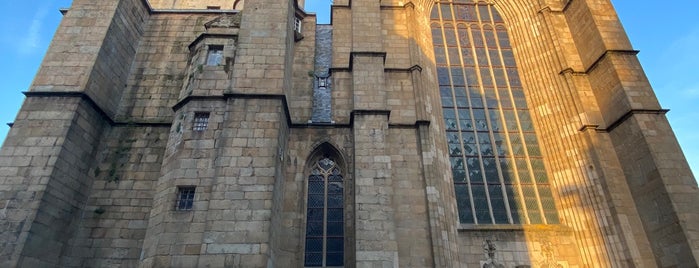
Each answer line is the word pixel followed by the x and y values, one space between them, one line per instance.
pixel 463 133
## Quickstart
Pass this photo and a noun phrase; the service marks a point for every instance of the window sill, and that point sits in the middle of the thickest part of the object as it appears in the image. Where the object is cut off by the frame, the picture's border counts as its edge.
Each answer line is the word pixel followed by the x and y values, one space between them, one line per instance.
pixel 297 36
pixel 514 227
pixel 219 67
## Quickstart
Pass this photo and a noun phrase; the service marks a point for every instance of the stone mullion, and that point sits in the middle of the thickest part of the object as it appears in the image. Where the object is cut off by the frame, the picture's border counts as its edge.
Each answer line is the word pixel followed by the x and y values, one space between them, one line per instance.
pixel 535 184
pixel 449 64
pixel 491 132
pixel 505 131
pixel 518 185
pixel 324 250
pixel 481 87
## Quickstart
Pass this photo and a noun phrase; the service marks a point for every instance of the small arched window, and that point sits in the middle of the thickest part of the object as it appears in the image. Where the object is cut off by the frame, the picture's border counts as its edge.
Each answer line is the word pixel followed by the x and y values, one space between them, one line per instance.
pixel 325 233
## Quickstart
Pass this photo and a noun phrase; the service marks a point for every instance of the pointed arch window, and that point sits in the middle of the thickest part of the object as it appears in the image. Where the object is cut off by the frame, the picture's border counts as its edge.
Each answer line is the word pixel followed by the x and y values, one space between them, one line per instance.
pixel 497 167
pixel 325 234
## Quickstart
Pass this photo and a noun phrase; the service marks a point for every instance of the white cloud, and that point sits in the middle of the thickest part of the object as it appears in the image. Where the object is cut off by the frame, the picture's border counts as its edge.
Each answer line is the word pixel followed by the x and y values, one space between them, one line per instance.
pixel 681 91
pixel 32 39
pixel 680 53
pixel 672 70
pixel 691 92
pixel 688 41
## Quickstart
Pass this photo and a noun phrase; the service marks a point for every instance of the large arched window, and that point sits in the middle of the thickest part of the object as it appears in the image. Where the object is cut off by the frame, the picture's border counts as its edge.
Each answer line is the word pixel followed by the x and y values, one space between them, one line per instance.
pixel 325 215
pixel 499 175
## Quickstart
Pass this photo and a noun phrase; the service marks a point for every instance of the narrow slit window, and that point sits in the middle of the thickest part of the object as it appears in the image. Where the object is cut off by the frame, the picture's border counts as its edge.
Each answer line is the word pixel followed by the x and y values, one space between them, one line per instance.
pixel 201 121
pixel 215 55
pixel 185 198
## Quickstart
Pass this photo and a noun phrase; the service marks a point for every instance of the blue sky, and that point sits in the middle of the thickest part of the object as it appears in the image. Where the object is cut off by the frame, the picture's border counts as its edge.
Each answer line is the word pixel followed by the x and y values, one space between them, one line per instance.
pixel 667 34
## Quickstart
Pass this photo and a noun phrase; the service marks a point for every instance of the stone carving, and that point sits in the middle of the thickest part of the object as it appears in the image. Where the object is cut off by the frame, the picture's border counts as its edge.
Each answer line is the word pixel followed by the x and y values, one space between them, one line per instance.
pixel 490 262
pixel 225 21
pixel 549 256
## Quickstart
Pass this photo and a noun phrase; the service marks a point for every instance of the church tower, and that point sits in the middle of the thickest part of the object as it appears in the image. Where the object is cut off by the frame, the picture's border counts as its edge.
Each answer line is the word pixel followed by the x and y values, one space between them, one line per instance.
pixel 461 133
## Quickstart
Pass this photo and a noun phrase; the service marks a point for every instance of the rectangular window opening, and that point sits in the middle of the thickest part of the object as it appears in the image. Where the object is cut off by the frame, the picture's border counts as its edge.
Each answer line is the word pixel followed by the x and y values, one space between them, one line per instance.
pixel 213 7
pixel 185 198
pixel 297 24
pixel 201 121
pixel 215 55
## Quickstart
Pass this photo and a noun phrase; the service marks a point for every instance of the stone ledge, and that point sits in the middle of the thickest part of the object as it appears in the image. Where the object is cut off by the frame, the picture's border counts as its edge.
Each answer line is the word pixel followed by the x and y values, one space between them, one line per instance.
pixel 604 55
pixel 196 11
pixel 85 97
pixel 514 227
pixel 369 54
pixel 628 115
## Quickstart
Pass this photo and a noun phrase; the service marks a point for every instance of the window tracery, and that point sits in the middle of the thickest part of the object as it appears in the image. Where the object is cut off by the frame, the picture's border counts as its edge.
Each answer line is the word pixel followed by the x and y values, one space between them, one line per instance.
pixel 497 167
pixel 324 244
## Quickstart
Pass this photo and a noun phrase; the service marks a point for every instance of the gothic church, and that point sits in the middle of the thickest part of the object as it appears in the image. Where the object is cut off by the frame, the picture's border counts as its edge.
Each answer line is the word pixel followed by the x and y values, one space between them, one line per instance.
pixel 406 133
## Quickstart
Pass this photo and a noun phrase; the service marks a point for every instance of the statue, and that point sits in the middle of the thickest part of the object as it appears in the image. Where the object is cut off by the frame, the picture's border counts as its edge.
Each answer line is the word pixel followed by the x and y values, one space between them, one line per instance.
pixel 489 248
pixel 549 258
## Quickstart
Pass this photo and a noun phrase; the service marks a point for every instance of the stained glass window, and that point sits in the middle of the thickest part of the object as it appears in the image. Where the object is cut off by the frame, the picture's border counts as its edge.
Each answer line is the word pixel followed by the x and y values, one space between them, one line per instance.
pixel 325 216
pixel 498 171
